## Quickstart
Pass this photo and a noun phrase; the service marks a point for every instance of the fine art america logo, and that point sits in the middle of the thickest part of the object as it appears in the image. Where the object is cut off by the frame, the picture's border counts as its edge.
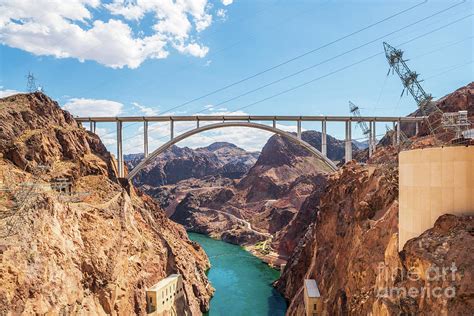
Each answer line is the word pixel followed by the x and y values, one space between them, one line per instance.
pixel 436 282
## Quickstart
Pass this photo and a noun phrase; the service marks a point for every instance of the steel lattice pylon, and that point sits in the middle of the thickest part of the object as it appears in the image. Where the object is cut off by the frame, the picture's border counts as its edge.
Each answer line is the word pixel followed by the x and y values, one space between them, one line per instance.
pixel 355 111
pixel 411 84
pixel 409 78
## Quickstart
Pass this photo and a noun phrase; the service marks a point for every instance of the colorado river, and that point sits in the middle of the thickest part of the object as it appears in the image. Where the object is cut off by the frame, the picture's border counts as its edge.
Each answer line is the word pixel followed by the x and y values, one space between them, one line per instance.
pixel 242 281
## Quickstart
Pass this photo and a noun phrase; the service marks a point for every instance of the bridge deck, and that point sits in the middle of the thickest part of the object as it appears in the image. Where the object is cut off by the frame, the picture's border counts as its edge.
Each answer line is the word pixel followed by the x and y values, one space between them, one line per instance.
pixel 249 121
pixel 249 118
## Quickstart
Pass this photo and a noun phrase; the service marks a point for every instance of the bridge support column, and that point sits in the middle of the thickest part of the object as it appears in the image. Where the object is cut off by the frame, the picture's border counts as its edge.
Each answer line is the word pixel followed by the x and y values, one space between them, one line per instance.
pixel 119 150
pixel 274 123
pixel 348 151
pixel 370 140
pixel 171 129
pixel 92 126
pixel 374 137
pixel 324 147
pixel 399 127
pixel 394 134
pixel 145 138
pixel 197 123
pixel 298 129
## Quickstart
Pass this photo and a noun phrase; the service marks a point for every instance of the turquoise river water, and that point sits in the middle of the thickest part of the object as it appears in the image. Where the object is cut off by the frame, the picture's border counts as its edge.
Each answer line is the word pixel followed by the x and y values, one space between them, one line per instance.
pixel 242 281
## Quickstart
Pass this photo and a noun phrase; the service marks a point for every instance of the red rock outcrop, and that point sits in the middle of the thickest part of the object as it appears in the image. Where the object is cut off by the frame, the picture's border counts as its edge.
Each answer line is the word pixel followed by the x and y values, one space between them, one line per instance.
pixel 434 273
pixel 93 252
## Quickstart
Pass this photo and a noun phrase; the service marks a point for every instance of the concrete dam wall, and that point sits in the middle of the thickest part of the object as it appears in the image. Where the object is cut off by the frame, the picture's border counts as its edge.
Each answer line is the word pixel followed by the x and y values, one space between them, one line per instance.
pixel 433 182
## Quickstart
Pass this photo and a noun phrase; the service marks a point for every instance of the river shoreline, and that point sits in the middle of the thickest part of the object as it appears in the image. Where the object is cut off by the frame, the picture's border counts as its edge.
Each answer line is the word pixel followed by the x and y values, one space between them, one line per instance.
pixel 272 259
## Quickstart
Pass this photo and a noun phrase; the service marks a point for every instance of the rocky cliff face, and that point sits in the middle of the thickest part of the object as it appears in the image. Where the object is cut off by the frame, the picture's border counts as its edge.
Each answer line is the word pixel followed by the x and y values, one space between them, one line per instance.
pixel 176 164
pixel 94 251
pixel 351 249
pixel 355 219
pixel 350 245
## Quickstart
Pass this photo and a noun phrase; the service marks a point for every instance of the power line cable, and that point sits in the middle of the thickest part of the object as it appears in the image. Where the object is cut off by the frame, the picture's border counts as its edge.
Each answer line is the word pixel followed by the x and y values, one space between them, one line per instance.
pixel 351 65
pixel 294 58
pixel 341 69
pixel 333 58
pixel 451 68
pixel 299 56
pixel 376 107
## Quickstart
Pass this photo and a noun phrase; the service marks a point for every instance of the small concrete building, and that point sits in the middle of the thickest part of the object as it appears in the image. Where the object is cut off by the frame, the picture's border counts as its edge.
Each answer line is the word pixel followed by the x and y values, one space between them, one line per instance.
pixel 312 298
pixel 162 296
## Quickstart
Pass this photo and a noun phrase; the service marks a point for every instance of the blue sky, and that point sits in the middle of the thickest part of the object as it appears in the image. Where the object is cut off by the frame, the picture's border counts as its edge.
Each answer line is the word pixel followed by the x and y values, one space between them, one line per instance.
pixel 133 58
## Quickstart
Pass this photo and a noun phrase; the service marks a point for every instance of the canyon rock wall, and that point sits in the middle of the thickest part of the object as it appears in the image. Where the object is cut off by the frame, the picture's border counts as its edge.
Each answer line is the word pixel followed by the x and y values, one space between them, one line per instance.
pixel 251 209
pixel 351 250
pixel 263 201
pixel 350 245
pixel 91 252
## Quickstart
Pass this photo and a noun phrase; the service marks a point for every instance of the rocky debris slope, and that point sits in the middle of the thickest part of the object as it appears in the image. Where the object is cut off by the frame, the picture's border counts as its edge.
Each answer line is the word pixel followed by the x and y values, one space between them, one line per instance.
pixel 92 252
pixel 176 164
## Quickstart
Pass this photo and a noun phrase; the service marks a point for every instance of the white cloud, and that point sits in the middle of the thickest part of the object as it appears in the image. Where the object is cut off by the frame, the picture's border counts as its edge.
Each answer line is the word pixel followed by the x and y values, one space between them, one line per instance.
pixel 203 22
pixel 222 14
pixel 93 107
pixel 193 49
pixel 147 111
pixel 7 92
pixel 227 2
pixel 70 29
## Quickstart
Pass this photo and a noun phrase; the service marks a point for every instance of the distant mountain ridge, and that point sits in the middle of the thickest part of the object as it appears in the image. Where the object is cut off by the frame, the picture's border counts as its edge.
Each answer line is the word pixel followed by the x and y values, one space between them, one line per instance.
pixel 180 163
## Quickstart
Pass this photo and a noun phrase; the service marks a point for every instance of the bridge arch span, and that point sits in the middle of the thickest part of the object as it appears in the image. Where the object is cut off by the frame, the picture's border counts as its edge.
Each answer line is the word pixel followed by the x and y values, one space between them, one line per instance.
pixel 326 161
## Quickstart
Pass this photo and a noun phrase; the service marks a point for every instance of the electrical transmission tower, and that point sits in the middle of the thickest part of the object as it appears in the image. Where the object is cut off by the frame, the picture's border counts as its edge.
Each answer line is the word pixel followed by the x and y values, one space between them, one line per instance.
pixel 368 132
pixel 355 111
pixel 31 83
pixel 411 84
pixel 409 78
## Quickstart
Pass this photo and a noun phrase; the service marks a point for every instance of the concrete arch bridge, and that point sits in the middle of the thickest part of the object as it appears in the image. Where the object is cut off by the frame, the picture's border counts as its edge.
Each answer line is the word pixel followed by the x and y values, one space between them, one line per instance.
pixel 245 121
